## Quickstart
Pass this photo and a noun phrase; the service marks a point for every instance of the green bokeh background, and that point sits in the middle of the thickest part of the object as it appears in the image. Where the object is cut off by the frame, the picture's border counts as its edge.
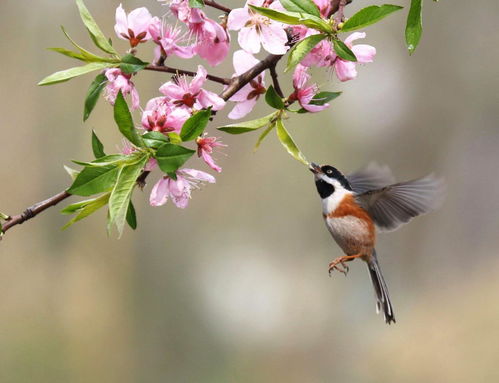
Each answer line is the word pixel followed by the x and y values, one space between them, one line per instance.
pixel 235 288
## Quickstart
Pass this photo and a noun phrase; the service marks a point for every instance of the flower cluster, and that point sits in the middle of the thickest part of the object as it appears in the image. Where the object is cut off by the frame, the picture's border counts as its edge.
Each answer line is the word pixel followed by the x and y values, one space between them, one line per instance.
pixel 195 34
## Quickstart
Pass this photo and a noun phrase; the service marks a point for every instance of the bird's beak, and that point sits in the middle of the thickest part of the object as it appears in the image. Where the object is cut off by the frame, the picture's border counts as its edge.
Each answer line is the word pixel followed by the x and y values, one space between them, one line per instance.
pixel 314 168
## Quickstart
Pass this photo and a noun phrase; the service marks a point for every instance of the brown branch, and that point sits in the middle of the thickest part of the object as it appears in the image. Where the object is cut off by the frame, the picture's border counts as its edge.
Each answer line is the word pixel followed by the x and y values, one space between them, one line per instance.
pixel 34 210
pixel 167 69
pixel 335 6
pixel 214 4
pixel 275 80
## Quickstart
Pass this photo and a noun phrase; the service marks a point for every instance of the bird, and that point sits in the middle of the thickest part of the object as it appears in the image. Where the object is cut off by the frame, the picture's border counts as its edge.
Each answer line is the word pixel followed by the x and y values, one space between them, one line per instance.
pixel 358 205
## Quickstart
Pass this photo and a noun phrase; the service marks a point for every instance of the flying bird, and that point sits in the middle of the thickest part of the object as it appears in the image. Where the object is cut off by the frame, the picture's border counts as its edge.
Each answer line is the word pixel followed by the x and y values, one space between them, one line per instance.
pixel 356 206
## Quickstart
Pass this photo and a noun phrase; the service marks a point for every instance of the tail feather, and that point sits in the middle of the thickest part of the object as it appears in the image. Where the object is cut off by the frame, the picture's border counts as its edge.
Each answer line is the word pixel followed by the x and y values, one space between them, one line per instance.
pixel 382 297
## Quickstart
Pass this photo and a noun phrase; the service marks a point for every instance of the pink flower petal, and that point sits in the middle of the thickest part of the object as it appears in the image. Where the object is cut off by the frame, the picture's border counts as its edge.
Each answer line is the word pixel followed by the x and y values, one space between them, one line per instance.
pixel 198 81
pixel 139 20
pixel 209 161
pixel 237 18
pixel 199 175
pixel 121 26
pixel 274 39
pixel 354 36
pixel 249 40
pixel 241 109
pixel 242 94
pixel 243 61
pixel 172 91
pixel 345 70
pixel 206 98
pixel 159 193
pixel 364 53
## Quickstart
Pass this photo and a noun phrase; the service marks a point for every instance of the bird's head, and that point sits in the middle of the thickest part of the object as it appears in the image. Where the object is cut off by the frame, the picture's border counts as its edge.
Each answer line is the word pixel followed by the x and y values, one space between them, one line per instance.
pixel 328 179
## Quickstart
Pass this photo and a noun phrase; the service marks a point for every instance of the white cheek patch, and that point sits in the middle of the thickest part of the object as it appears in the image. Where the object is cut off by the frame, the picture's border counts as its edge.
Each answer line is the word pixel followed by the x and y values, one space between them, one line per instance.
pixel 330 203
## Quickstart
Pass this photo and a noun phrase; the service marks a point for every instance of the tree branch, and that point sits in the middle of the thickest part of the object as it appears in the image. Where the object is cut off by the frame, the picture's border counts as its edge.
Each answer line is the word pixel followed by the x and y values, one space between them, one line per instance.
pixel 275 80
pixel 214 4
pixel 167 69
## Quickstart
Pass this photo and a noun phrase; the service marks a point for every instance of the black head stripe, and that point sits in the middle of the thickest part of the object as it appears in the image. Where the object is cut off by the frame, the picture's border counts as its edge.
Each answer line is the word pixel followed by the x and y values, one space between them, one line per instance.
pixel 332 172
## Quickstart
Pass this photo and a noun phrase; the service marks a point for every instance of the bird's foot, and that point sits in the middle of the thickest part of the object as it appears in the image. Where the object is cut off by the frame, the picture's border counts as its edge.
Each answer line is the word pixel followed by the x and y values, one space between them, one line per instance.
pixel 339 264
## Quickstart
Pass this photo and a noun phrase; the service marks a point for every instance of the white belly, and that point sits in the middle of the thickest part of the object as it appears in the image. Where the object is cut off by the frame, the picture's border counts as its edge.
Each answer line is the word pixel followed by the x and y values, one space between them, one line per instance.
pixel 351 233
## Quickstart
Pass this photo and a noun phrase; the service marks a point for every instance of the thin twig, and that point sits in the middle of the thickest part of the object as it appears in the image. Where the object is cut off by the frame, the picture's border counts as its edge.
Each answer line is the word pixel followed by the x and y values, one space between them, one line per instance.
pixel 167 69
pixel 34 210
pixel 217 6
pixel 275 80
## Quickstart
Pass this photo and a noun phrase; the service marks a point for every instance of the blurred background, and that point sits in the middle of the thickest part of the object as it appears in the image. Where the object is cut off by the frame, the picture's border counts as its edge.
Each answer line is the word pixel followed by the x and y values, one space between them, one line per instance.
pixel 235 287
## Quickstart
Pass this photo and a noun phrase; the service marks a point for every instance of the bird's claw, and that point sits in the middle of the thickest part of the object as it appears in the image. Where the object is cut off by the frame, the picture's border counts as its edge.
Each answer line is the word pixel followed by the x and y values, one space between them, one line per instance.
pixel 335 265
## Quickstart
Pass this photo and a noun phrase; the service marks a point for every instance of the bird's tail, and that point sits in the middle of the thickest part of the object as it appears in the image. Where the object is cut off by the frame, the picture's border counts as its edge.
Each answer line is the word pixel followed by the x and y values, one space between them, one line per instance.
pixel 382 297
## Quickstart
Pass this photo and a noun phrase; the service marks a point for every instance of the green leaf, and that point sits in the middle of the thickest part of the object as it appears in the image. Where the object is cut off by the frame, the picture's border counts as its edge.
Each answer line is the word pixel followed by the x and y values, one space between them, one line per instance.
pixel 294 18
pixel 87 55
pixel 174 138
pixel 95 32
pixel 263 135
pixel 196 3
pixel 4 216
pixel 124 120
pixel 170 157
pixel 93 94
pixel 131 64
pixel 131 216
pixel 68 53
pixel 248 126
pixel 122 193
pixel 301 49
pixel 368 16
pixel 343 51
pixel 273 99
pixel 305 6
pixel 321 98
pixel 414 26
pixel 72 172
pixel 84 208
pixel 195 125
pixel 111 159
pixel 154 140
pixel 97 146
pixel 68 74
pixel 93 180
pixel 288 142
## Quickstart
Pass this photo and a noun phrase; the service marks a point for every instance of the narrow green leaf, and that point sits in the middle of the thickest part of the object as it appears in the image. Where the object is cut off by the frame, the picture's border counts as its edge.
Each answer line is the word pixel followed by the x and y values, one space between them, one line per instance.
pixel 368 16
pixel 288 142
pixel 95 32
pixel 111 159
pixel 93 94
pixel 154 140
pixel 195 125
pixel 93 180
pixel 87 55
pixel 414 26
pixel 294 18
pixel 196 3
pixel 74 207
pixel 122 193
pixel 87 207
pixel 4 216
pixel 72 172
pixel 97 146
pixel 68 53
pixel 305 6
pixel 301 49
pixel 248 126
pixel 131 216
pixel 170 157
pixel 68 74
pixel 124 120
pixel 273 99
pixel 321 98
pixel 174 138
pixel 343 51
pixel 131 64
pixel 263 135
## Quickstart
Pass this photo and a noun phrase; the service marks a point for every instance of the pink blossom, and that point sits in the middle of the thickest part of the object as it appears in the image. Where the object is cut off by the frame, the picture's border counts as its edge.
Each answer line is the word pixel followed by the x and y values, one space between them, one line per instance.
pixel 168 38
pixel 161 116
pixel 133 27
pixel 178 190
pixel 345 70
pixel 190 95
pixel 255 29
pixel 247 96
pixel 324 7
pixel 305 93
pixel 117 80
pixel 205 150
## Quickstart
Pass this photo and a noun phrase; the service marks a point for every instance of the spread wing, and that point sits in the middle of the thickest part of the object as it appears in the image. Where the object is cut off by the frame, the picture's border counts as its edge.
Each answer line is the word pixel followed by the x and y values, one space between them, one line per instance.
pixel 397 204
pixel 373 177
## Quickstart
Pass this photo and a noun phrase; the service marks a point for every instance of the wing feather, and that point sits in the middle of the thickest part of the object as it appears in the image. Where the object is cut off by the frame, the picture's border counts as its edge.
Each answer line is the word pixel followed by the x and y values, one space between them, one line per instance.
pixel 394 205
pixel 373 177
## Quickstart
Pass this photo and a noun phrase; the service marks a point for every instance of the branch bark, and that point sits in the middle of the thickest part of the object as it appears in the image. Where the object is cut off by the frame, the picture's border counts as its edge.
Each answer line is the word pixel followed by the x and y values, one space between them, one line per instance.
pixel 214 4
pixel 167 69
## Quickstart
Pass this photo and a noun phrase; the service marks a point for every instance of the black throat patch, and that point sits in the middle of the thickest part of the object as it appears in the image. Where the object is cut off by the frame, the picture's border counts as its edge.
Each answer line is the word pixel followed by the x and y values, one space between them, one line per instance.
pixel 324 188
